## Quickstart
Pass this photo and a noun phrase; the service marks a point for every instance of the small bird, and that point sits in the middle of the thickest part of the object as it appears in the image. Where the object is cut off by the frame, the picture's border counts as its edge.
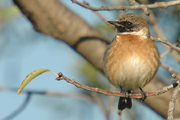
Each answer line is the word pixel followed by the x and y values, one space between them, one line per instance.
pixel 132 59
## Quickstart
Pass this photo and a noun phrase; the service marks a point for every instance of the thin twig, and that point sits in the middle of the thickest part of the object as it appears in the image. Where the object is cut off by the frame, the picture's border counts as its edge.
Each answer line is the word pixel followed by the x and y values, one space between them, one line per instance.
pixel 171 70
pixel 163 5
pixel 167 43
pixel 121 2
pixel 172 103
pixel 156 26
pixel 99 15
pixel 133 2
pixel 161 35
pixel 103 19
pixel 165 53
pixel 94 99
pixel 158 92
pixel 176 76
pixel 51 93
pixel 173 99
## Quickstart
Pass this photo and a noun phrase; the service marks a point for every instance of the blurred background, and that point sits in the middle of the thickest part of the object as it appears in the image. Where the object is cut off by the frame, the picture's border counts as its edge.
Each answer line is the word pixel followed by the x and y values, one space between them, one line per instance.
pixel 23 50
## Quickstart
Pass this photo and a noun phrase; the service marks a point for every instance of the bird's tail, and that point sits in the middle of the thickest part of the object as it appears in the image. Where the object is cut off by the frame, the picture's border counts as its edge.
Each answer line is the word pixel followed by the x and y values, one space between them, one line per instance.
pixel 124 103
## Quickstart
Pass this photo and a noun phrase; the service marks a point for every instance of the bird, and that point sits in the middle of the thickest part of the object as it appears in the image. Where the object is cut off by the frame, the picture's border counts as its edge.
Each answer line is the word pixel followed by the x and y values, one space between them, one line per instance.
pixel 132 59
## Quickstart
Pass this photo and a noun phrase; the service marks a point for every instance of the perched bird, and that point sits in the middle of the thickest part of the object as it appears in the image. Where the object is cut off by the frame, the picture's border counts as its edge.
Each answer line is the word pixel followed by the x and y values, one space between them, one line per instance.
pixel 132 59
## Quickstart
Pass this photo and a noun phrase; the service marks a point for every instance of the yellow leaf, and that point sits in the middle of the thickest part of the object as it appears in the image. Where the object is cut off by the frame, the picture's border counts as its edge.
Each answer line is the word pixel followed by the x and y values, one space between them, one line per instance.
pixel 30 77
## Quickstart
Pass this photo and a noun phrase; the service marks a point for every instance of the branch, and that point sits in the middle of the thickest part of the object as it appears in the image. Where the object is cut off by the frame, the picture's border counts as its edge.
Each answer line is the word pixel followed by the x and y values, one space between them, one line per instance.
pixel 66 26
pixel 167 43
pixel 20 109
pixel 78 85
pixel 165 53
pixel 171 70
pixel 103 19
pixel 50 93
pixel 173 99
pixel 162 5
pixel 133 2
pixel 172 104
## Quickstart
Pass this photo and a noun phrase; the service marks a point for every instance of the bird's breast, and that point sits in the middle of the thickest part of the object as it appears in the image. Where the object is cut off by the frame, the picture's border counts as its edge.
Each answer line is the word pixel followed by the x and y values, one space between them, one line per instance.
pixel 131 61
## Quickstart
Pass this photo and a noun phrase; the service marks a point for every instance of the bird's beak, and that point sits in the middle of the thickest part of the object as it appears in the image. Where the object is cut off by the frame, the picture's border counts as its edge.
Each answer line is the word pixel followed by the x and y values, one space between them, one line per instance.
pixel 112 22
pixel 115 23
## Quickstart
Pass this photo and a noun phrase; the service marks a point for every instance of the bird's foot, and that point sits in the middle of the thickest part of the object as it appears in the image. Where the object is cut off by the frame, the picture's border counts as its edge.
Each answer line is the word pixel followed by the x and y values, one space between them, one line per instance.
pixel 143 95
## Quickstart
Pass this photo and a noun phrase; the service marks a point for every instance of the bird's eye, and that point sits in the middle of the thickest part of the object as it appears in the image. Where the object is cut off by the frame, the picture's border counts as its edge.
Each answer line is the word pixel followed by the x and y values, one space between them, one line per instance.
pixel 128 24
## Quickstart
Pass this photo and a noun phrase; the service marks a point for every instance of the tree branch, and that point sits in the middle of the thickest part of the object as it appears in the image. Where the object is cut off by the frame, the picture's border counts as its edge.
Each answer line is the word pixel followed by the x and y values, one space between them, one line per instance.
pixel 65 25
pixel 133 2
pixel 94 99
pixel 167 43
pixel 162 5
pixel 78 85
pixel 173 99
pixel 19 109
pixel 172 103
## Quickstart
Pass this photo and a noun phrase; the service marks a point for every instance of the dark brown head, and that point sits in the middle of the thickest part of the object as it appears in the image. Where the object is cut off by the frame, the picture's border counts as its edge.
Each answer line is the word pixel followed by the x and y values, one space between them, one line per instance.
pixel 129 23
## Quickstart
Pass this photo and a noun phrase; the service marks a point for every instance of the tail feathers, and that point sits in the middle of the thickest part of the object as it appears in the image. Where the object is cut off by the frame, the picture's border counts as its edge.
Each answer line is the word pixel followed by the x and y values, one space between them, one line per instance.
pixel 124 103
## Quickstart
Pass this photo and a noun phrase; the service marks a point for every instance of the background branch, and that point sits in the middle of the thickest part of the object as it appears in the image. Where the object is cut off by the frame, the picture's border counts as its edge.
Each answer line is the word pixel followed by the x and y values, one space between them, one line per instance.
pixel 50 93
pixel 94 99
pixel 20 109
pixel 133 2
pixel 163 5
pixel 172 103
pixel 167 43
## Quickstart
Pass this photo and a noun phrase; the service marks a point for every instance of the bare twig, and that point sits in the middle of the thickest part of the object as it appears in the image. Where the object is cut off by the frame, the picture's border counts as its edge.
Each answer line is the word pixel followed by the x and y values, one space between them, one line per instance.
pixel 100 16
pixel 172 103
pixel 94 99
pixel 163 5
pixel 167 43
pixel 156 27
pixel 133 2
pixel 175 94
pixel 173 99
pixel 171 70
pixel 165 53
pixel 176 76
pixel 158 92
pixel 162 36
pixel 121 2
pixel 51 93
pixel 103 19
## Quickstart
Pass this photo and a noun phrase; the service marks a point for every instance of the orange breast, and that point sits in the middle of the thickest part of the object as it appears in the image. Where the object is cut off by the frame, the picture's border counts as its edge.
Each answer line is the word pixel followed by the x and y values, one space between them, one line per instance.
pixel 131 61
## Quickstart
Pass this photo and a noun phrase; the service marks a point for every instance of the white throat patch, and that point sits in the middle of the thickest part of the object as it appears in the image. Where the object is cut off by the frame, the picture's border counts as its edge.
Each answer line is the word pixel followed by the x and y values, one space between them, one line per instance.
pixel 143 32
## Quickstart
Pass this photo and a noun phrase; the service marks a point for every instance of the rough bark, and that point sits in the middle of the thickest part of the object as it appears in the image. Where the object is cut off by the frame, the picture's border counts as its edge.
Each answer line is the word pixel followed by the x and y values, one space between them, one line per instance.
pixel 53 18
